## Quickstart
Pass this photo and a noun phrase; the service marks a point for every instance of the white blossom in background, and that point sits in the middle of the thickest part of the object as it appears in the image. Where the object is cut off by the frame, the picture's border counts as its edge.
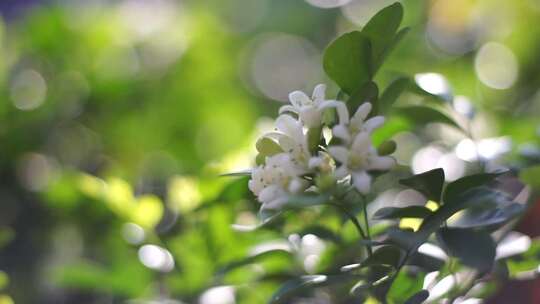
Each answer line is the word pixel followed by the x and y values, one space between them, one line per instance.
pixel 309 110
pixel 357 159
pixel 274 181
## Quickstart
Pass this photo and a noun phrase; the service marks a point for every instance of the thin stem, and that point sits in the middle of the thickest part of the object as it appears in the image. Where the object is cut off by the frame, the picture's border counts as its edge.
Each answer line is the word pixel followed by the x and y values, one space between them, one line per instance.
pixel 366 220
pixel 356 223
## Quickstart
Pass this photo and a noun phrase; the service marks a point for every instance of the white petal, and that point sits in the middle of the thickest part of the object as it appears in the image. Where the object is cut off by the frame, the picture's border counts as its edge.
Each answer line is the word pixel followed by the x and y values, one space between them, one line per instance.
pixel 299 98
pixel 311 116
pixel 315 162
pixel 343 112
pixel 373 123
pixel 362 112
pixel 340 153
pixel 297 185
pixel 290 126
pixel 341 131
pixel 319 93
pixel 381 163
pixel 341 172
pixel 361 181
pixel 361 143
pixel 288 108
pixel 270 193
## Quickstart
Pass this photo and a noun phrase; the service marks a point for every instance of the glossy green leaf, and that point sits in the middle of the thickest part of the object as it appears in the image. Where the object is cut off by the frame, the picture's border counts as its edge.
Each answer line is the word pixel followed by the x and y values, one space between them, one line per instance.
pixel 477 197
pixel 489 217
pixel 418 298
pixel 381 29
pixel 474 248
pixel 422 115
pixel 390 47
pixel 392 93
pixel 468 182
pixel 429 183
pixel 397 213
pixel 347 61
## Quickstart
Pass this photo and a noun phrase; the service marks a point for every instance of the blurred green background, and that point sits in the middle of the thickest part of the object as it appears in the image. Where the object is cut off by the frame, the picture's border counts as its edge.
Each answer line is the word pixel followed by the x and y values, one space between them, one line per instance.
pixel 116 118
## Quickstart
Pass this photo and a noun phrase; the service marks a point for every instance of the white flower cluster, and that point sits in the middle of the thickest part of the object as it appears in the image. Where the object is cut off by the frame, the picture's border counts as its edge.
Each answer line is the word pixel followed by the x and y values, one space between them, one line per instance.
pixel 292 162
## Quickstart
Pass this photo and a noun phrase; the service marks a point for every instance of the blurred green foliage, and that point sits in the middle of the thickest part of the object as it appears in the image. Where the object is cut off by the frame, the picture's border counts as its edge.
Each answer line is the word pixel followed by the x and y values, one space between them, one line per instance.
pixel 115 125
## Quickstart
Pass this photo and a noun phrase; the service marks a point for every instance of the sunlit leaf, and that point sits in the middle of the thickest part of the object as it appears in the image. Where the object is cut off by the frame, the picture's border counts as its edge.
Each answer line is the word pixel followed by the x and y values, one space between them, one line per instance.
pixel 429 183
pixel 473 248
pixel 148 211
pixel 531 176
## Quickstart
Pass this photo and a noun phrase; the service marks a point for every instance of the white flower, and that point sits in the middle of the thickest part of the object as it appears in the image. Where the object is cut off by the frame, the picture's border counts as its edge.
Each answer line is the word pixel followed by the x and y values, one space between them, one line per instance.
pixel 292 139
pixel 309 110
pixel 273 182
pixel 359 158
pixel 347 128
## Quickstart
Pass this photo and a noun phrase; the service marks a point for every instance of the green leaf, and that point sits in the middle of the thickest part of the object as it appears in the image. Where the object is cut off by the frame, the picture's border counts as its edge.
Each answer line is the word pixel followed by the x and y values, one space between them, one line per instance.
pixel 429 183
pixel 392 92
pixel 381 29
pixel 369 92
pixel 239 173
pixel 300 285
pixel 387 147
pixel 347 61
pixel 418 297
pixel 397 213
pixel 526 262
pixel 406 284
pixel 473 248
pixel 422 115
pixel 305 200
pixel 385 255
pixel 390 47
pixel 252 259
pixel 531 176
pixel 481 217
pixel 268 147
pixel 474 198
pixel 468 182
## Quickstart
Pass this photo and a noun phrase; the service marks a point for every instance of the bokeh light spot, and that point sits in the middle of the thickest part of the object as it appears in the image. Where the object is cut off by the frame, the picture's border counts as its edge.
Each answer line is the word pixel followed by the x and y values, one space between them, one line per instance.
pixel 28 90
pixel 496 66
